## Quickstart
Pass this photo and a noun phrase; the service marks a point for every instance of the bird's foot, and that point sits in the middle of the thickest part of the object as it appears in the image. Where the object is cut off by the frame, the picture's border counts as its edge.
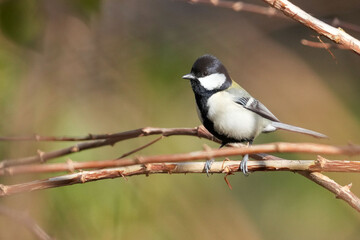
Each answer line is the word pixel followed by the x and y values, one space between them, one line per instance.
pixel 243 165
pixel 207 166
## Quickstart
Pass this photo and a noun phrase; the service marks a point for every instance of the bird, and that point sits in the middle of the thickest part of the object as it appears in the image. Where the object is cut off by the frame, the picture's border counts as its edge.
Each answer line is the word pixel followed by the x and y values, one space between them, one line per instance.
pixel 228 111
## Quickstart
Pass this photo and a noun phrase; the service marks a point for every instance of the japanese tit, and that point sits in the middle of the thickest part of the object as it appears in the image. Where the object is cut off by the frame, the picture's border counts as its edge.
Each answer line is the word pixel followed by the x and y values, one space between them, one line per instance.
pixel 227 110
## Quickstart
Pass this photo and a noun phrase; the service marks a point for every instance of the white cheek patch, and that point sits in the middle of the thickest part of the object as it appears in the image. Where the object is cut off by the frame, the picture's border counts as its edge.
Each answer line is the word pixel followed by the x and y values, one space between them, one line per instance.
pixel 212 81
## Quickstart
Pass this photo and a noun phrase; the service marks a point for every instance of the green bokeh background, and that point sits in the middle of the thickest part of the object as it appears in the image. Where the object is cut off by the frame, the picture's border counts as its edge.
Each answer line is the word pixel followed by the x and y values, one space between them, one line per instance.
pixel 79 67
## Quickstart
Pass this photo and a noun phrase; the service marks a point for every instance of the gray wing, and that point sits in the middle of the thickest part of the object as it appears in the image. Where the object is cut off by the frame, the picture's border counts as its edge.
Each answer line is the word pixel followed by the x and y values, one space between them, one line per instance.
pixel 255 106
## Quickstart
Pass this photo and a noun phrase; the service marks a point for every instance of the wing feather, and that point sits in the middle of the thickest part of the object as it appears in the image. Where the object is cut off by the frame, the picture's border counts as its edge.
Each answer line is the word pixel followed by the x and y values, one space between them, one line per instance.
pixel 257 107
pixel 242 97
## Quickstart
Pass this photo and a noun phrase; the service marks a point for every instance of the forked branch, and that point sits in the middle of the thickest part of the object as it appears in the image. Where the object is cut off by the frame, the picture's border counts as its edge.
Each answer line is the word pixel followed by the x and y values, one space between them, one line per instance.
pixel 337 35
pixel 332 29
pixel 182 163
pixel 225 167
pixel 99 140
pixel 183 167
pixel 319 165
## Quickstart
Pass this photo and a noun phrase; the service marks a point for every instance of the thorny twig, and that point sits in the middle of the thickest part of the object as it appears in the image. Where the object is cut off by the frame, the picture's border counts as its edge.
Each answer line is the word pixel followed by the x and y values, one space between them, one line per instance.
pixel 332 29
pixel 239 6
pixel 318 165
pixel 337 35
pixel 322 45
pixel 101 140
pixel 141 147
pixel 228 167
pixel 199 132
pixel 169 163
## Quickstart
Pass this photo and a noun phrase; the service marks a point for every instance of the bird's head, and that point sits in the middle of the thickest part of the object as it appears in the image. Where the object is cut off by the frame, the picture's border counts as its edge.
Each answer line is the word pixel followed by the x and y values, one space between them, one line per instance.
pixel 208 74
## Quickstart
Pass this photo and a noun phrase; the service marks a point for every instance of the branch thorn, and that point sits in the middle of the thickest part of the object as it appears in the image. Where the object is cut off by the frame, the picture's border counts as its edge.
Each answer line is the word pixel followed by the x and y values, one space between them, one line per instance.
pixel 70 164
pixel 75 149
pixel 3 189
pixel 41 155
pixel 320 161
pixel 122 175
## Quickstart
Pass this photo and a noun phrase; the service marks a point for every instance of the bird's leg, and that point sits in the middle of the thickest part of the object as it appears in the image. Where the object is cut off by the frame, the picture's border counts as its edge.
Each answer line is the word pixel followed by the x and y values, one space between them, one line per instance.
pixel 207 166
pixel 243 164
pixel 209 162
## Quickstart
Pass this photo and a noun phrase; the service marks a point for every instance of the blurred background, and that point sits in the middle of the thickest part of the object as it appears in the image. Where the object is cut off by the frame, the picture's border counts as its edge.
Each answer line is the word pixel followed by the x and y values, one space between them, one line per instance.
pixel 73 67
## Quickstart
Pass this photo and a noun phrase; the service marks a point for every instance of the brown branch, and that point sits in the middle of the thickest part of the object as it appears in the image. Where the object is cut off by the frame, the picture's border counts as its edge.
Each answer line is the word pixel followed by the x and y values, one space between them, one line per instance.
pixel 155 168
pixel 337 35
pixel 24 219
pixel 243 7
pixel 103 140
pixel 322 45
pixel 268 11
pixel 196 167
pixel 240 6
pixel 140 132
pixel 141 147
pixel 320 165
pixel 279 147
pixel 157 164
pixel 200 132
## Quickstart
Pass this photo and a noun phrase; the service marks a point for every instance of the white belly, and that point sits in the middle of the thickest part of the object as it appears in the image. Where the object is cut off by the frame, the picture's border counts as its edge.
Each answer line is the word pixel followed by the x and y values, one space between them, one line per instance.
pixel 233 120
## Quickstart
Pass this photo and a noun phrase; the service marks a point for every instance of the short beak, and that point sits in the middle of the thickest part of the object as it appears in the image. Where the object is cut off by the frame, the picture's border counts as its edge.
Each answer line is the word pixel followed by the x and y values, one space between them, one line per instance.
pixel 189 76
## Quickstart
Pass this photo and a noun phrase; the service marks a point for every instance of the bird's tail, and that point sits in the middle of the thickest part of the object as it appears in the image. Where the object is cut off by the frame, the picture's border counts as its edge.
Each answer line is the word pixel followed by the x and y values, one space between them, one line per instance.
pixel 291 128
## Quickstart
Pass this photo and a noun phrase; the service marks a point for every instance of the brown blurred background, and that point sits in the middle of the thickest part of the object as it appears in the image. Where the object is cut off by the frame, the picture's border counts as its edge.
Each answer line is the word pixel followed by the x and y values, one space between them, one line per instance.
pixel 91 66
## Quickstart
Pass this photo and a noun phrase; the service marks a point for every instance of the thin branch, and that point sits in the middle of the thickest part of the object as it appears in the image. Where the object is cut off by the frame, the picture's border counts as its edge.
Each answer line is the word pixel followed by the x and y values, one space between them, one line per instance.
pixel 337 35
pixel 140 132
pixel 141 147
pixel 225 152
pixel 268 11
pixel 242 7
pixel 154 168
pixel 27 221
pixel 319 165
pixel 279 147
pixel 200 132
pixel 322 45
pixel 190 167
pixel 263 148
pixel 104 140
pixel 158 163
